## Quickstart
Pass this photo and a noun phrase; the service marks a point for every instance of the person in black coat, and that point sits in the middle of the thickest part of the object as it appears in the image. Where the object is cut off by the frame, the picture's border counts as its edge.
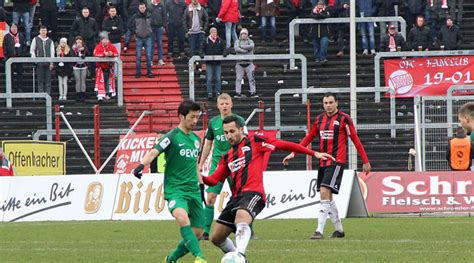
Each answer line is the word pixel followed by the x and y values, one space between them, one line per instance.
pixel 413 8
pixel 14 45
pixel 384 8
pixel 419 37
pixel 175 12
pixel 450 35
pixel 87 28
pixel 49 16
pixel 392 41
pixel 213 46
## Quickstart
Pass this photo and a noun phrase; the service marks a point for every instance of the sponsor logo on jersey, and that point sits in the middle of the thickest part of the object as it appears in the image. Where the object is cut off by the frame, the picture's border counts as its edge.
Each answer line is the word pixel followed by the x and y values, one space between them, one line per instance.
pixel 93 200
pixel 237 164
pixel 221 138
pixel 269 146
pixel 165 142
pixel 245 149
pixel 326 134
pixel 189 153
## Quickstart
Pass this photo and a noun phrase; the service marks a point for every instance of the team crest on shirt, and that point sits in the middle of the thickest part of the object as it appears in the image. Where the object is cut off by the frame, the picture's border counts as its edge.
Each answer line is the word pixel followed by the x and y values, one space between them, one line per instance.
pixel 326 134
pixel 196 144
pixel 336 123
pixel 172 203
pixel 234 166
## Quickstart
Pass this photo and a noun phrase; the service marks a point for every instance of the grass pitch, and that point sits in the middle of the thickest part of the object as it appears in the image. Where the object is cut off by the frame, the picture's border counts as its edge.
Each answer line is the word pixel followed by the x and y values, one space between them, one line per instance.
pixel 367 240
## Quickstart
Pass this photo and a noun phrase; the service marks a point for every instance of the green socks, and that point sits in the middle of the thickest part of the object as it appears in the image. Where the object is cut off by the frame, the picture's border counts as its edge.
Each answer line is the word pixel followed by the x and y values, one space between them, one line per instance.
pixel 209 212
pixel 179 252
pixel 190 241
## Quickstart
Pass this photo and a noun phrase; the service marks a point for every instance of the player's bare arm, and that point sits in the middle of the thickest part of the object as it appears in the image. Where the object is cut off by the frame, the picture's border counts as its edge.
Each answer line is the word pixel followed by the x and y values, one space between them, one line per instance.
pixel 206 149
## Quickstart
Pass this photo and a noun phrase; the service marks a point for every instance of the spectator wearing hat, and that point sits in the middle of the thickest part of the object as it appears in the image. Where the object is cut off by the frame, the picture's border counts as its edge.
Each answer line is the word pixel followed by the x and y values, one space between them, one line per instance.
pixel 105 80
pixel 392 41
pixel 268 10
pixel 320 33
pixel 450 35
pixel 244 46
pixel 63 69
pixel 14 45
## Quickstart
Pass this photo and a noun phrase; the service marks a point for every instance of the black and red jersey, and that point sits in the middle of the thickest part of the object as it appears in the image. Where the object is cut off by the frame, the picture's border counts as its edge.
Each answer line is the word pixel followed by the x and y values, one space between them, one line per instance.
pixel 245 163
pixel 332 132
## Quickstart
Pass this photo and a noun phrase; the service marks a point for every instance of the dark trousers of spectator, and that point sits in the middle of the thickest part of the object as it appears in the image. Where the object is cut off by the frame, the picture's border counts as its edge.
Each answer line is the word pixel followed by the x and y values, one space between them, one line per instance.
pixel 452 8
pixel 268 20
pixel 195 41
pixel 294 13
pixel 49 18
pixel 90 44
pixel 342 32
pixel 175 32
pixel 147 43
pixel 213 73
pixel 106 73
pixel 43 74
pixel 320 45
pixel 158 39
pixel 128 33
pixel 17 77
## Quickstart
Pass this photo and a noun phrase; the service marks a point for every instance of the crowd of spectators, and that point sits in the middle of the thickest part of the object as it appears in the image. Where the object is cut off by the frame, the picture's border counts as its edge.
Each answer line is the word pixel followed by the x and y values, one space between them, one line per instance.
pixel 432 24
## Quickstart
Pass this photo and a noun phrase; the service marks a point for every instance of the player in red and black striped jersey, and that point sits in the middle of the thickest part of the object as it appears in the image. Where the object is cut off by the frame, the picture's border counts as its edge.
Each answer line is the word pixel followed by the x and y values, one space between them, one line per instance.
pixel 244 163
pixel 332 129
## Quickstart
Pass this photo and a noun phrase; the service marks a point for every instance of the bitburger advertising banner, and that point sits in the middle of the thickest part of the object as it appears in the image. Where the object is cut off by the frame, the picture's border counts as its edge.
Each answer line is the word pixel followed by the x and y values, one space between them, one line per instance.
pixel 418 192
pixel 430 76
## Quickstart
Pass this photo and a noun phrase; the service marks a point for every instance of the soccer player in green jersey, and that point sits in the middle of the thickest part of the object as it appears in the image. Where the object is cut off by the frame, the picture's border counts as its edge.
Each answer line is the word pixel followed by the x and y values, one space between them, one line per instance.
pixel 215 136
pixel 181 186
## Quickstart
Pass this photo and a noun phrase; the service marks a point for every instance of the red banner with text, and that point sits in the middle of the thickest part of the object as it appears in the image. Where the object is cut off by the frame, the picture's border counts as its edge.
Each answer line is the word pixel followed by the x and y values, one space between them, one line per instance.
pixel 430 76
pixel 418 192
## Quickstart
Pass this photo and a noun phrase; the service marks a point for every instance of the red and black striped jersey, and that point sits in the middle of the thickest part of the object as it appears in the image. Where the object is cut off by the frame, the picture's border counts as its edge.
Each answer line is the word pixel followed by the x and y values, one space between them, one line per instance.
pixel 332 132
pixel 245 163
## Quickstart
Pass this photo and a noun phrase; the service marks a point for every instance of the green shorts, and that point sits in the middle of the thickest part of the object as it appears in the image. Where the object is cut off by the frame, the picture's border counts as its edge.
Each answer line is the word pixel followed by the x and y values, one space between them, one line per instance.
pixel 218 187
pixel 193 206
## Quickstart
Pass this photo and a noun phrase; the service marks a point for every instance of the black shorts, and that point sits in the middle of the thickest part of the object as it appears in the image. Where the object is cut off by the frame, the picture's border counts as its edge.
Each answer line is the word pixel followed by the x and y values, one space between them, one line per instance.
pixel 331 177
pixel 252 202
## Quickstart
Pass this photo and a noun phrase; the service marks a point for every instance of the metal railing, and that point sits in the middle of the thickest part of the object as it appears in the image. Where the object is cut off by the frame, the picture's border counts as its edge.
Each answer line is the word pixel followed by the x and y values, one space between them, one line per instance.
pixel 404 54
pixel 10 61
pixel 111 131
pixel 299 21
pixel 49 116
pixel 304 68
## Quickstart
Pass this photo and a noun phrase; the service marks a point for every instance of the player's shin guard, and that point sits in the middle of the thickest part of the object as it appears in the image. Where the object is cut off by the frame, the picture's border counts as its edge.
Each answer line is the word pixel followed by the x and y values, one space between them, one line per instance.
pixel 227 246
pixel 191 241
pixel 322 215
pixel 334 215
pixel 209 212
pixel 179 252
pixel 242 237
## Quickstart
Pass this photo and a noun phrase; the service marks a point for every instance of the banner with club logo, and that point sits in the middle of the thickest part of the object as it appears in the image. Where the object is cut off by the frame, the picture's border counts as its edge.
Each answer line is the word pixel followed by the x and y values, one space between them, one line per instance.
pixel 418 192
pixel 429 76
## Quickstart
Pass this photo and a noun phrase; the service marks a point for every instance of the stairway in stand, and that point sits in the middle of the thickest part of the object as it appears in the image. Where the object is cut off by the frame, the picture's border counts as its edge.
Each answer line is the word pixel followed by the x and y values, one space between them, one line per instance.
pixel 161 94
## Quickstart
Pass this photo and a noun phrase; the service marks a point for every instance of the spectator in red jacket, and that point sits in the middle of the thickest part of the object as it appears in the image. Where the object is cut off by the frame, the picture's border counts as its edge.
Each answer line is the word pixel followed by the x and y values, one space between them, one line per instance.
pixel 6 169
pixel 230 15
pixel 105 81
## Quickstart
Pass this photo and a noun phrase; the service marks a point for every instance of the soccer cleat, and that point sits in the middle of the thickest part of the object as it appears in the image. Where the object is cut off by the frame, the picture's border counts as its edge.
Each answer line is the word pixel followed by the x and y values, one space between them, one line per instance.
pixel 168 260
pixel 205 236
pixel 316 235
pixel 338 234
pixel 199 259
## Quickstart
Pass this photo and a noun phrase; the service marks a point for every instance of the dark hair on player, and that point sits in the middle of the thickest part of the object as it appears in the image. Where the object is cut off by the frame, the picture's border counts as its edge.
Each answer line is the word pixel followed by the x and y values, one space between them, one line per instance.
pixel 330 94
pixel 232 118
pixel 186 106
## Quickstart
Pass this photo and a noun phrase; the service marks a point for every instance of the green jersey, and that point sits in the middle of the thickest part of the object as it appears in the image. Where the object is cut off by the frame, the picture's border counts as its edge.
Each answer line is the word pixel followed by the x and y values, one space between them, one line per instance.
pixel 215 132
pixel 181 154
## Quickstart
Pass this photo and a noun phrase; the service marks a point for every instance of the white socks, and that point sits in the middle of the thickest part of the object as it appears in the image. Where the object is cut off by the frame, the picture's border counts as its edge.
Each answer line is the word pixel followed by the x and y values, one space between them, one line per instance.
pixel 242 237
pixel 334 215
pixel 323 215
pixel 227 246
